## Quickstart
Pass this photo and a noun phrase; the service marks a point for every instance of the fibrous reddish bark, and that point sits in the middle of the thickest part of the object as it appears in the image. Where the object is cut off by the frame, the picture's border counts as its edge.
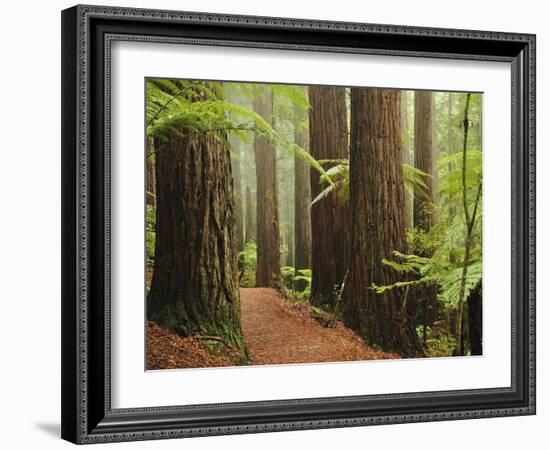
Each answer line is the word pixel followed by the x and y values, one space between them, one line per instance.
pixel 377 228
pixel 329 217
pixel 302 200
pixel 423 158
pixel 267 215
pixel 423 211
pixel 194 287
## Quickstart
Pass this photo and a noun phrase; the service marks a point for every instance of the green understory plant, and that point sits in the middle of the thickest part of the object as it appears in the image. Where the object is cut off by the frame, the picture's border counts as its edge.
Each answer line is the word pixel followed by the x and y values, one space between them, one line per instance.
pixel 246 263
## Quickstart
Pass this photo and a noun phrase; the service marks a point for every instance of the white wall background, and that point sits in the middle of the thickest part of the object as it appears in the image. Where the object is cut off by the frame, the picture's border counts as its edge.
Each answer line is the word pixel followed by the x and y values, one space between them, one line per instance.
pixel 30 223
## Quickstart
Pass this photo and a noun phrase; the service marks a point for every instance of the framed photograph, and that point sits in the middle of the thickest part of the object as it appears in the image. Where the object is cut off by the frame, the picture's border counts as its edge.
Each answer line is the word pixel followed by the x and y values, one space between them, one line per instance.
pixel 280 224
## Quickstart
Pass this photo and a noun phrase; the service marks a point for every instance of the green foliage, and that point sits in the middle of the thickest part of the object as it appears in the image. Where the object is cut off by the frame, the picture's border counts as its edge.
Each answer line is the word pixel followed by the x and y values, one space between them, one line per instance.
pixel 246 261
pixel 195 109
pixel 439 342
pixel 450 283
pixel 224 111
pixel 150 233
pixel 433 271
pixel 446 239
pixel 450 173
pixel 295 95
pixel 175 107
pixel 414 180
pixel 289 277
pixel 306 276
pixel 337 176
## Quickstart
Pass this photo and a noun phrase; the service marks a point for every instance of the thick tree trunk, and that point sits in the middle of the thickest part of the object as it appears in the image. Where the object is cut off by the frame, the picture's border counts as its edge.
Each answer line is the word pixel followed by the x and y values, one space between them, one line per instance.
pixel 194 287
pixel 237 194
pixel 302 200
pixel 377 229
pixel 475 320
pixel 267 215
pixel 250 231
pixel 328 133
pixel 423 211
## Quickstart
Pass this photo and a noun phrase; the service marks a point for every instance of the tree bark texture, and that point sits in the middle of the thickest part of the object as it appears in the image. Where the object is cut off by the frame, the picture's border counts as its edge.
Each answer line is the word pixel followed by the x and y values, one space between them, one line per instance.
pixel 302 198
pixel 267 215
pixel 409 197
pixel 423 158
pixel 377 229
pixel 194 287
pixel 328 133
pixel 423 210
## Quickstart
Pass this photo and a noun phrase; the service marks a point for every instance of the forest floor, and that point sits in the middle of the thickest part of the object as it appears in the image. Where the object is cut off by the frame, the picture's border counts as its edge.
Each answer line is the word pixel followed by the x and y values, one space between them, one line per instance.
pixel 167 350
pixel 276 331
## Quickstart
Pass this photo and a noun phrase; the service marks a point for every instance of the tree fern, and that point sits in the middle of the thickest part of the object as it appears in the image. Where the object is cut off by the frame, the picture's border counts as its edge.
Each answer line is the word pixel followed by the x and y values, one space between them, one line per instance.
pixel 177 112
pixel 337 177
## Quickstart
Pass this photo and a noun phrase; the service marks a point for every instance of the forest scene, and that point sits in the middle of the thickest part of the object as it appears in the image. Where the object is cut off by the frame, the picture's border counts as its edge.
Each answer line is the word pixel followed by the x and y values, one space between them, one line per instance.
pixel 293 224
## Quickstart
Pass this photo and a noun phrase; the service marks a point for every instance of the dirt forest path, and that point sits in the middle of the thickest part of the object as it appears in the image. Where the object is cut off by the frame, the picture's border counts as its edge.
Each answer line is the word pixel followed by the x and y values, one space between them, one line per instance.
pixel 276 332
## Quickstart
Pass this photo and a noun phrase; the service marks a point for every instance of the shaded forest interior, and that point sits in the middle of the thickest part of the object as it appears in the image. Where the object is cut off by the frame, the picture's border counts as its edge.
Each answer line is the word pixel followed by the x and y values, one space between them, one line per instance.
pixel 353 210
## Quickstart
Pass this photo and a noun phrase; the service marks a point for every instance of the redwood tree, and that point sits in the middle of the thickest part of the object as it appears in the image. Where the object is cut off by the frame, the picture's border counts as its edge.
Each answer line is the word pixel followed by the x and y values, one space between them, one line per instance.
pixel 377 197
pixel 267 215
pixel 423 216
pixel 328 140
pixel 302 199
pixel 194 287
pixel 423 211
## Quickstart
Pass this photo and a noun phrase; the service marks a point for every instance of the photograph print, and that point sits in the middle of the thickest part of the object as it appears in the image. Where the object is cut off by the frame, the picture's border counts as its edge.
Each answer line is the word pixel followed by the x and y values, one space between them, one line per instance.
pixel 294 224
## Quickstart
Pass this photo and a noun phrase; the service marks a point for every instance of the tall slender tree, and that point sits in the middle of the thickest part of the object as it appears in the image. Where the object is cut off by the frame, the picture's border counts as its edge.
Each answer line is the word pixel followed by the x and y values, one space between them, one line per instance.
pixel 377 228
pixel 423 159
pixel 267 214
pixel 423 211
pixel 407 155
pixel 470 215
pixel 194 287
pixel 302 198
pixel 328 133
pixel 452 313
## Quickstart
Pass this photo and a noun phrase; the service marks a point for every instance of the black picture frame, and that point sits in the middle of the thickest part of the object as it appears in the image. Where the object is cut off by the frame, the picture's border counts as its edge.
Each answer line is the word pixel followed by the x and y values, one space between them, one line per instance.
pixel 87 416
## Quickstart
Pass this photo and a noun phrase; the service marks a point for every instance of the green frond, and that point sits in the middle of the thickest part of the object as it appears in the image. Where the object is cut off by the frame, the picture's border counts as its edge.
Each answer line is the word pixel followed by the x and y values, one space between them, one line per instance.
pixel 296 95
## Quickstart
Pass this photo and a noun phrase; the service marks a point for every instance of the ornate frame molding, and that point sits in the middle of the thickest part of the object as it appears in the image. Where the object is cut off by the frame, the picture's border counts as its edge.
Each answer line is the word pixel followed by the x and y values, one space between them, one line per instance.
pixel 80 418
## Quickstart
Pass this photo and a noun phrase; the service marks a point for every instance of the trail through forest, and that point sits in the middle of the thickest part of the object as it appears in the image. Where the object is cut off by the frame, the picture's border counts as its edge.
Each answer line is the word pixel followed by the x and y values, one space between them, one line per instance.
pixel 276 332
pixel 346 219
